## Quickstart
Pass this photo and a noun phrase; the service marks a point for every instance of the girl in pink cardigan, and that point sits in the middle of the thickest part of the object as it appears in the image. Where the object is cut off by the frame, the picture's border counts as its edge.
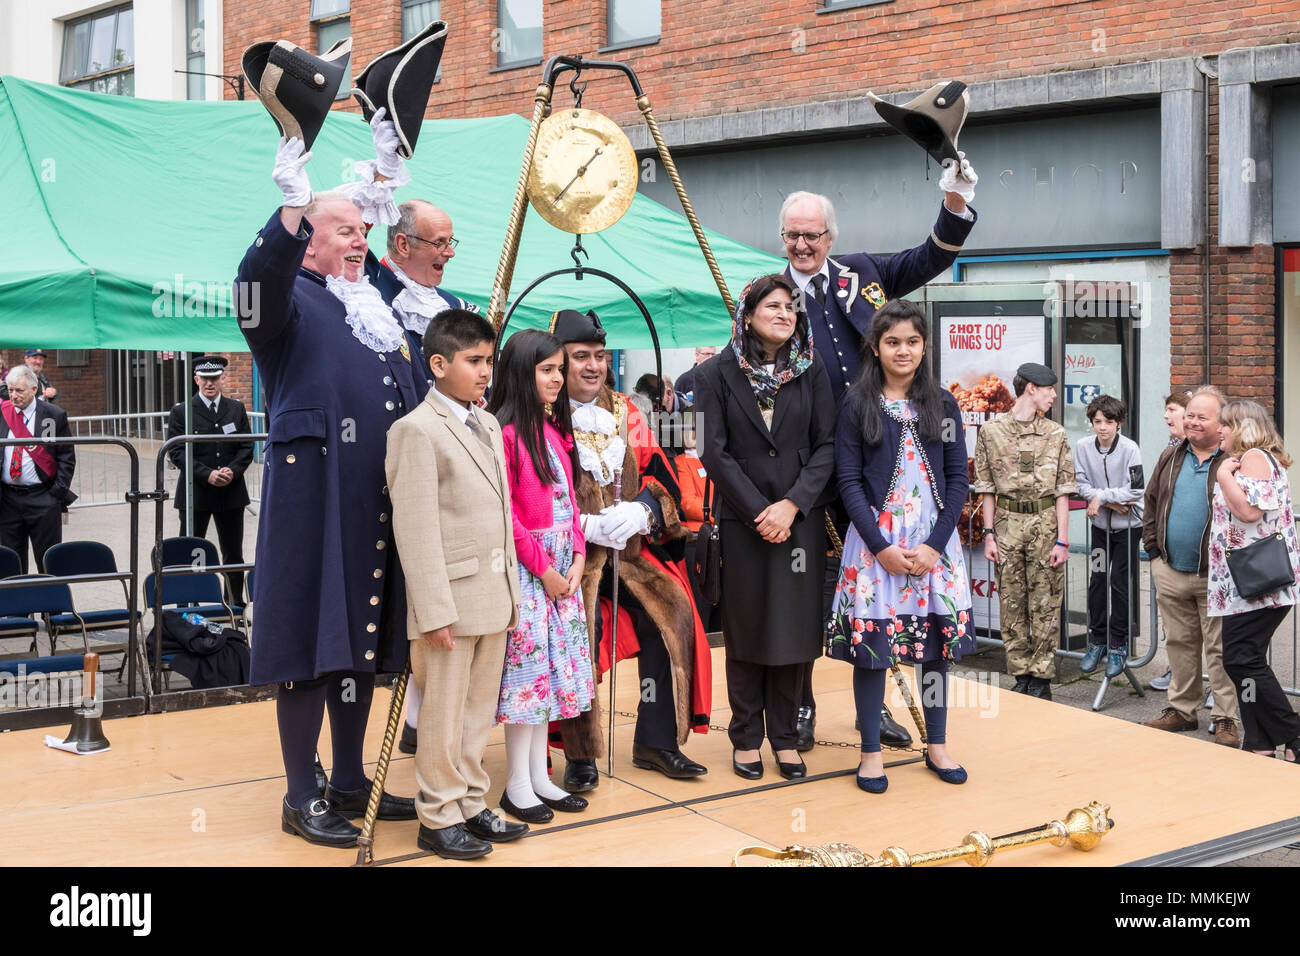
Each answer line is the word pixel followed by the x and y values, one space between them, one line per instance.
pixel 547 674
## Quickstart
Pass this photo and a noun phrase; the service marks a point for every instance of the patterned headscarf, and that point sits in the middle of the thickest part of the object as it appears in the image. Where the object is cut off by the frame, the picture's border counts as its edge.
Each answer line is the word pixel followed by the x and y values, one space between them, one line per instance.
pixel 764 383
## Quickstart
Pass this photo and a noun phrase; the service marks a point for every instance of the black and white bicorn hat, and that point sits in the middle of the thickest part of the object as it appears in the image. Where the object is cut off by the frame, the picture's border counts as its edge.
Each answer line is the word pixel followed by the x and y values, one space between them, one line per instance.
pixel 932 120
pixel 401 79
pixel 296 87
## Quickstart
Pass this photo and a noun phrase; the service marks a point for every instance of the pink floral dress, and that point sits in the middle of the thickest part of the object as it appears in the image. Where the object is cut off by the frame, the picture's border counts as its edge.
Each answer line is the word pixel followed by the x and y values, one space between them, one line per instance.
pixel 1273 497
pixel 547 672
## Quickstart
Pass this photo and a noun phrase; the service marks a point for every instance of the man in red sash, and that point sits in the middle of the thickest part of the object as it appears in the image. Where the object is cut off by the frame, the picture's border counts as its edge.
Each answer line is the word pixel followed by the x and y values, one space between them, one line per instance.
pixel 35 478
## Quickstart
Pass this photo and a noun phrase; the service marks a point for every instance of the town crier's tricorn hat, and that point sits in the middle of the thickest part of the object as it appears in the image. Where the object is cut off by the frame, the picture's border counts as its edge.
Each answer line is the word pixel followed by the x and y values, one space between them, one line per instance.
pixel 569 326
pixel 932 120
pixel 296 87
pixel 401 80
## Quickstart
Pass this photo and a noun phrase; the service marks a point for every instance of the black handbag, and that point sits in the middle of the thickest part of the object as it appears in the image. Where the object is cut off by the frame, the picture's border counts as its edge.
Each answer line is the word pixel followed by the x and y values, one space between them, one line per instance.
pixel 1260 567
pixel 708 552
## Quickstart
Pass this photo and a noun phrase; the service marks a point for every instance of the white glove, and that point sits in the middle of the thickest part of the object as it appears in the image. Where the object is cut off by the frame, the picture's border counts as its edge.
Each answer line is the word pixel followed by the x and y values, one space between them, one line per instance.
pixel 384 134
pixel 959 178
pixel 593 530
pixel 625 519
pixel 291 174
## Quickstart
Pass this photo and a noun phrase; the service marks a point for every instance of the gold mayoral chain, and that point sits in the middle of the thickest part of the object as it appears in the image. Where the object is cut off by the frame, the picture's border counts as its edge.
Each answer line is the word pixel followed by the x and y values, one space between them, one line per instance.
pixel 1081 829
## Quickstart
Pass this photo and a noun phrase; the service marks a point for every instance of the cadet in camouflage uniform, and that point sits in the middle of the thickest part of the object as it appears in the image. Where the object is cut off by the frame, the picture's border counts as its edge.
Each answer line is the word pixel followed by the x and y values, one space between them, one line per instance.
pixel 1025 474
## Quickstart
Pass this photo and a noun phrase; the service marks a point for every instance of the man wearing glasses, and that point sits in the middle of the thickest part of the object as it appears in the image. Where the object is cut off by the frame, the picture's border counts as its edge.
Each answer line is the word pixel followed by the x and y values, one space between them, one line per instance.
pixel 841 296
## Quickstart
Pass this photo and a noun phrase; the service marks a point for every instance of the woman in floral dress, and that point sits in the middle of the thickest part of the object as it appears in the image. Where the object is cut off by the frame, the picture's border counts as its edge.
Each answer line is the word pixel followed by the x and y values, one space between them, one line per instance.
pixel 1252 501
pixel 547 672
pixel 903 594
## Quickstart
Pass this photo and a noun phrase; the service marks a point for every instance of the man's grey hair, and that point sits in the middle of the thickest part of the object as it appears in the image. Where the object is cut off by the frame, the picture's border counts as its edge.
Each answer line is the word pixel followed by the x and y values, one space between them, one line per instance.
pixel 320 199
pixel 827 207
pixel 22 374
pixel 1210 390
pixel 406 214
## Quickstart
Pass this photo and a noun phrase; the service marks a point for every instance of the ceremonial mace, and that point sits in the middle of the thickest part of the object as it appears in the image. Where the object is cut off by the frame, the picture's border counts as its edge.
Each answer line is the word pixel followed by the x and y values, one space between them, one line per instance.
pixel 396 715
pixel 613 641
pixel 1081 829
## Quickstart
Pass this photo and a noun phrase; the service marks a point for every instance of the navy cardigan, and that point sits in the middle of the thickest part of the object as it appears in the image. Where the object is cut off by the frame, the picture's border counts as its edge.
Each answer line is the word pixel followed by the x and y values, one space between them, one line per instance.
pixel 865 471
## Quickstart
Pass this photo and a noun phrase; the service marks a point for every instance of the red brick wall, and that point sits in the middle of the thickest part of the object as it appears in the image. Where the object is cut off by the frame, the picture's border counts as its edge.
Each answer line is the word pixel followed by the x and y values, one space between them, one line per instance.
pixel 80 388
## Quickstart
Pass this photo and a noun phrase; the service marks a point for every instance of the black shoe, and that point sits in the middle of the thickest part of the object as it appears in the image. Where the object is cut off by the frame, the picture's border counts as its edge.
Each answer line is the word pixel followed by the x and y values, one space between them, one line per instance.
pixel 352 803
pixel 892 733
pixel 670 763
pixel 792 771
pixel 566 804
pixel 806 727
pixel 750 771
pixel 1040 687
pixel 1021 685
pixel 322 781
pixel 317 823
pixel 581 776
pixel 453 843
pixel 486 825
pixel 409 739
pixel 538 814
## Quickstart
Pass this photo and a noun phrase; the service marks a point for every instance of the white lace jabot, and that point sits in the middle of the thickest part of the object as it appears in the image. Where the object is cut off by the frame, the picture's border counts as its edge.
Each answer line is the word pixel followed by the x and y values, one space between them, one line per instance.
pixel 417 304
pixel 598 458
pixel 371 319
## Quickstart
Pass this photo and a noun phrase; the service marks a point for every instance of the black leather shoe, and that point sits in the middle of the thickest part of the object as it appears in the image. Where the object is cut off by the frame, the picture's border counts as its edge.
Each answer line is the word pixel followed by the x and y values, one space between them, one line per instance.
pixel 670 763
pixel 486 825
pixel 1021 685
pixel 538 814
pixel 453 843
pixel 792 771
pixel 806 728
pixel 317 823
pixel 352 803
pixel 750 771
pixel 566 804
pixel 322 781
pixel 892 733
pixel 581 776
pixel 409 739
pixel 1040 687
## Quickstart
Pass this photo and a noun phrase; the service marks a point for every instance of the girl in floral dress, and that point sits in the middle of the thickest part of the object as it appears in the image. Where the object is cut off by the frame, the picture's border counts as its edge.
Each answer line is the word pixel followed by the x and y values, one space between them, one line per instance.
pixel 903 594
pixel 547 672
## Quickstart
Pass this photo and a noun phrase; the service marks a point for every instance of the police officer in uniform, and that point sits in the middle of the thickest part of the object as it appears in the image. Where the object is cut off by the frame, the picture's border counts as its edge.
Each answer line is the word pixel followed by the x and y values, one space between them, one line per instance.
pixel 219 489
pixel 1025 475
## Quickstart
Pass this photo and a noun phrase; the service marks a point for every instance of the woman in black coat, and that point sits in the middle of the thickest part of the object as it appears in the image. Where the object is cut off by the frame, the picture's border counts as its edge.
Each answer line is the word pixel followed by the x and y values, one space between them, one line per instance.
pixel 766 420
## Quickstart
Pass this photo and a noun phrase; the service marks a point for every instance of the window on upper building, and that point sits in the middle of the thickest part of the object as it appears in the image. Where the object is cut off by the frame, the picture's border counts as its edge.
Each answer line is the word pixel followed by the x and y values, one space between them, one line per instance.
pixel 99 52
pixel 632 22
pixel 418 14
pixel 519 32
pixel 333 24
pixel 195 45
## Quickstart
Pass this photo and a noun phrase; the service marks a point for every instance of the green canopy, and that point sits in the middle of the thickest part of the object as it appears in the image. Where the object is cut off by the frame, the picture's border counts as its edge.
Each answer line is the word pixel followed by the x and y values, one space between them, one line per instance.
pixel 128 218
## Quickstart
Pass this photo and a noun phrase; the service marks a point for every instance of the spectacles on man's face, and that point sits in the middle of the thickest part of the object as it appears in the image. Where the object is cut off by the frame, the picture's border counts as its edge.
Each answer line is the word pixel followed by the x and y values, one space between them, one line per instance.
pixel 792 238
pixel 438 244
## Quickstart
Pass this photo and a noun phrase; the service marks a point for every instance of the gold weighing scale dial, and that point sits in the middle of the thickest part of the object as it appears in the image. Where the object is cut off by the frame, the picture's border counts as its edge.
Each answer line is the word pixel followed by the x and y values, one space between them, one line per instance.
pixel 584 171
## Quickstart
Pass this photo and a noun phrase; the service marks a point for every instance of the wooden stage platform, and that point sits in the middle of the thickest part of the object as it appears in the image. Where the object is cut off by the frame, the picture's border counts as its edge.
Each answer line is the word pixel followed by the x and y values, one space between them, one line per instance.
pixel 203 788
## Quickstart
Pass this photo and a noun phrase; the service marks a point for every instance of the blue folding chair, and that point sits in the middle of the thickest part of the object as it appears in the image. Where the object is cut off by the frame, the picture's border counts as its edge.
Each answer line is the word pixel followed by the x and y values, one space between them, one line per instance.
pixel 88 557
pixel 198 593
pixel 190 551
pixel 43 596
pixel 18 624
pixel 10 564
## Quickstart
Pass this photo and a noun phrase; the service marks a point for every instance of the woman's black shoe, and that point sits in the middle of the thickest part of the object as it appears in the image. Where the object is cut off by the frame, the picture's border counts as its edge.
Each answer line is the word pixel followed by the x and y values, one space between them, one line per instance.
pixel 566 804
pixel 538 814
pixel 792 771
pixel 750 771
pixel 317 823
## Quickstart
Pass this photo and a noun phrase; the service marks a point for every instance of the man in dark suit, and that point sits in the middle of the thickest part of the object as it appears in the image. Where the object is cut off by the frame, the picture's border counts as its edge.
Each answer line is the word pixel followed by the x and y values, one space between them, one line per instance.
pixel 35 478
pixel 841 296
pixel 219 490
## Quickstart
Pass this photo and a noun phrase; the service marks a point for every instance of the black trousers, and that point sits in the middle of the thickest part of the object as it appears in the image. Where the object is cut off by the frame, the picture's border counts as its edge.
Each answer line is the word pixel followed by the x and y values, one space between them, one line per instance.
pixel 33 517
pixel 1266 712
pixel 1116 551
pixel 762 692
pixel 230 534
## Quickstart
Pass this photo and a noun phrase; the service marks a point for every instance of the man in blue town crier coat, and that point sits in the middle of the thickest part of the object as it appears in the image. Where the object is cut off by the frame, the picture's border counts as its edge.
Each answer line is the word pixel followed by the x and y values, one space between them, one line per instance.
pixel 329 594
pixel 841 296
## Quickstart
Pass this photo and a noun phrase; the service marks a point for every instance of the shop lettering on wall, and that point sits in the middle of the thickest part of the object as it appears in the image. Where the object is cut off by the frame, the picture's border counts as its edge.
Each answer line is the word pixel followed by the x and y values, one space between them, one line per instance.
pixel 1085 174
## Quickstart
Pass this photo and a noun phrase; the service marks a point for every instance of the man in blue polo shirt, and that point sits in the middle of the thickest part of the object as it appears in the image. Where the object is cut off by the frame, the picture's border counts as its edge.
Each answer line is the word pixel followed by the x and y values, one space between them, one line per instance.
pixel 1176 533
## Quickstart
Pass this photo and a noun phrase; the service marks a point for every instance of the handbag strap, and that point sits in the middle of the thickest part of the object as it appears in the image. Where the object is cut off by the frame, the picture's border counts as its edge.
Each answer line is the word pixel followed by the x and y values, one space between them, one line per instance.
pixel 708 497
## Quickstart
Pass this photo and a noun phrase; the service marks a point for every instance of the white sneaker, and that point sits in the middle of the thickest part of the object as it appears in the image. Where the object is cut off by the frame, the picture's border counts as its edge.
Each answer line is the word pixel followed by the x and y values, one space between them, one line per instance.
pixel 1162 682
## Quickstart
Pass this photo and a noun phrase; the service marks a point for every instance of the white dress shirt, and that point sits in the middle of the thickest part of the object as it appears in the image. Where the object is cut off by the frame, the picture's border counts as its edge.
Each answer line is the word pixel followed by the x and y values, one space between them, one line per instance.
pixel 460 411
pixel 29 472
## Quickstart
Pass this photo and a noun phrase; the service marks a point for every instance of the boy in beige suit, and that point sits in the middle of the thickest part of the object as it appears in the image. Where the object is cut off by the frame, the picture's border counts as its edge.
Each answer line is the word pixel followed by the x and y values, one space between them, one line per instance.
pixel 451 521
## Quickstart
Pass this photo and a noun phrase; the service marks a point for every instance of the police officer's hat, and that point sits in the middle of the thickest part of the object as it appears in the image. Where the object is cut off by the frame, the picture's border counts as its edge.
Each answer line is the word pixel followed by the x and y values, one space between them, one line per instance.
pixel 570 326
pixel 296 87
pixel 1037 374
pixel 210 366
pixel 400 80
pixel 932 120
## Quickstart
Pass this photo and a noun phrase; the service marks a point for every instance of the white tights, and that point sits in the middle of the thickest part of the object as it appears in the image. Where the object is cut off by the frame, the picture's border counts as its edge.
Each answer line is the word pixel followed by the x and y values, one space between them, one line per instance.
pixel 526 766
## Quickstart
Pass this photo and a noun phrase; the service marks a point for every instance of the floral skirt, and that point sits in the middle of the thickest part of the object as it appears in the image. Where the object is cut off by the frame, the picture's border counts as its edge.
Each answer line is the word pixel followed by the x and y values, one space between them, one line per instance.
pixel 879 619
pixel 547 671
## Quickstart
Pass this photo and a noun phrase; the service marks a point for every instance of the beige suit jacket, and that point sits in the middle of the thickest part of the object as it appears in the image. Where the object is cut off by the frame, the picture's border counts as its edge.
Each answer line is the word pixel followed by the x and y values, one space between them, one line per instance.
pixel 451 522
